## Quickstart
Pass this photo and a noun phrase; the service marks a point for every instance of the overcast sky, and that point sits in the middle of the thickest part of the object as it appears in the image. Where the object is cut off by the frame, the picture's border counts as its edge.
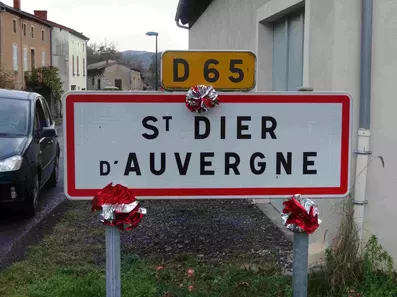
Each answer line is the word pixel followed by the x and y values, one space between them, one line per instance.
pixel 123 22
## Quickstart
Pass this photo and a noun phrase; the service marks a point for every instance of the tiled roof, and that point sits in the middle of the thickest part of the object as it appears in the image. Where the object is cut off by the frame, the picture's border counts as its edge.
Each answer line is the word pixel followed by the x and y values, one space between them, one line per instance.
pixel 24 14
pixel 104 64
pixel 71 31
pixel 41 20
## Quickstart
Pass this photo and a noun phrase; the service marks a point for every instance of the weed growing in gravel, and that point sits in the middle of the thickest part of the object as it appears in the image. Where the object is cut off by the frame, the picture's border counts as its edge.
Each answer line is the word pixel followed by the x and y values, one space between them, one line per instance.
pixel 351 272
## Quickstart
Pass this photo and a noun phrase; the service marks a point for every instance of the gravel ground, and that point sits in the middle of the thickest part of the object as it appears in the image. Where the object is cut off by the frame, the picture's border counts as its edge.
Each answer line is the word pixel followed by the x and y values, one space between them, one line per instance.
pixel 212 230
pixel 216 230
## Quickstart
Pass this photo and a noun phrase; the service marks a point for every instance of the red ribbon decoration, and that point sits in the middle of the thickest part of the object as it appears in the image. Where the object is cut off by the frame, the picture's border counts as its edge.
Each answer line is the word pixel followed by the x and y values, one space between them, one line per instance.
pixel 299 216
pixel 116 199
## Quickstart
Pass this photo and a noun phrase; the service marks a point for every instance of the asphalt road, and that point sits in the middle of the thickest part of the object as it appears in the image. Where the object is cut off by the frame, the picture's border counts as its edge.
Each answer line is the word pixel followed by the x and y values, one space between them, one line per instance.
pixel 13 226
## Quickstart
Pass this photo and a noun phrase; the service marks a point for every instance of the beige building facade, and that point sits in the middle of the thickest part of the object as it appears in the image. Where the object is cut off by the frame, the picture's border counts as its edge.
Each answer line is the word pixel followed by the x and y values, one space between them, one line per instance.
pixel 25 42
pixel 317 43
pixel 113 74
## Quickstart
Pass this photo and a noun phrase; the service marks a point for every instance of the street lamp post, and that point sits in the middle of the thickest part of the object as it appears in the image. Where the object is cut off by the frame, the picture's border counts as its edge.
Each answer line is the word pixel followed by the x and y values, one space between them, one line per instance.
pixel 156 34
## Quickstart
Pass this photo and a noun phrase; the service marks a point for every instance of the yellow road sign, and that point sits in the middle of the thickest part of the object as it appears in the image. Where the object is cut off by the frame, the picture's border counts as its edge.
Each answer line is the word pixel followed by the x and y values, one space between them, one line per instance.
pixel 224 70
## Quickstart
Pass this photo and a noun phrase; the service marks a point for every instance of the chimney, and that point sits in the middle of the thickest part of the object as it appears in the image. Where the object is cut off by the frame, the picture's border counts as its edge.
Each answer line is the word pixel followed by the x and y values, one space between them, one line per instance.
pixel 40 13
pixel 17 4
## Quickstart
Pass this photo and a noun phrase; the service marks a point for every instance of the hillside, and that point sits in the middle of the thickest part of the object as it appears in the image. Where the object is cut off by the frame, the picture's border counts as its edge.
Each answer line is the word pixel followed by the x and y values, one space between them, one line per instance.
pixel 144 56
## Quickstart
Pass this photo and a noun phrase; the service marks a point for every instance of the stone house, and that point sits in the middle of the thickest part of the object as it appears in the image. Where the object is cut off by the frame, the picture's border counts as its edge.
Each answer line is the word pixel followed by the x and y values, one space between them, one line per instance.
pixel 25 41
pixel 112 73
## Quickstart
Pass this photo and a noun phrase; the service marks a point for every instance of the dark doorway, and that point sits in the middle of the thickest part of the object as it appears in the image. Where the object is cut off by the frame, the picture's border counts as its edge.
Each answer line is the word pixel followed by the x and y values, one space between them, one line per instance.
pixel 118 84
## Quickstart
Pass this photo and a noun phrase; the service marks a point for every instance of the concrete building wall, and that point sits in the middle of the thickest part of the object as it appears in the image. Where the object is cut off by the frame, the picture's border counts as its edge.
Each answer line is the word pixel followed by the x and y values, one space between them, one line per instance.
pixel 118 71
pixel 99 83
pixel 331 62
pixel 380 215
pixel 137 82
pixel 60 54
pixel 77 63
pixel 130 79
pixel 237 18
pixel 30 35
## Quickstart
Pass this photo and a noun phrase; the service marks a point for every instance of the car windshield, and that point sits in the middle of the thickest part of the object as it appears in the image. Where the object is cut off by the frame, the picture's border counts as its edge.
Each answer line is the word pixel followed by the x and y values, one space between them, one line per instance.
pixel 14 115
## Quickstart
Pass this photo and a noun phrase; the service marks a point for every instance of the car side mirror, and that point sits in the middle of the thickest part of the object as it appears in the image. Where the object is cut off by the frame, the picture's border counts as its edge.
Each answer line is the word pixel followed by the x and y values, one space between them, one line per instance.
pixel 48 132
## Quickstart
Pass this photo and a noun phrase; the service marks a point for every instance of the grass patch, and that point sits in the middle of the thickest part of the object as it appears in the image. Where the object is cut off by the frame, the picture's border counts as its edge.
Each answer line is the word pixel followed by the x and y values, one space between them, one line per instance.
pixel 70 262
pixel 140 278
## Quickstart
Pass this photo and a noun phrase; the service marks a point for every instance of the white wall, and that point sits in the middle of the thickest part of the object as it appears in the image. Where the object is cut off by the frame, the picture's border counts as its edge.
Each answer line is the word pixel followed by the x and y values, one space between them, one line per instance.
pixel 331 63
pixel 226 24
pixel 380 215
pixel 60 54
pixel 77 49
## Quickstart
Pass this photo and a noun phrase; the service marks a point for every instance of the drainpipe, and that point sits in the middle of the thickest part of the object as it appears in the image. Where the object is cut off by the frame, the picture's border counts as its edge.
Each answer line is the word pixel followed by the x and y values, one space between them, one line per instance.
pixel 51 46
pixel 364 131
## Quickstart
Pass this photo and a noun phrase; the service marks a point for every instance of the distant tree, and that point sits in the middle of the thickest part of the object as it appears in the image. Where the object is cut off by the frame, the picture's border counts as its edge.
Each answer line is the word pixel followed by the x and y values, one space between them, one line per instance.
pixel 97 52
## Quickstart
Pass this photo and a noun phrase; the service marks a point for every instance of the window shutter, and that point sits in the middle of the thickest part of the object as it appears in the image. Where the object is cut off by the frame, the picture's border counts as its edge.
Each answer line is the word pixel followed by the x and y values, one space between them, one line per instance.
pixel 15 56
pixel 25 59
pixel 43 58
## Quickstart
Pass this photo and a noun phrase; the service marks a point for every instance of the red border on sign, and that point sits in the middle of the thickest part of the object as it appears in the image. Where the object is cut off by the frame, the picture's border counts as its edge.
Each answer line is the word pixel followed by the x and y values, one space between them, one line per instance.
pixel 226 99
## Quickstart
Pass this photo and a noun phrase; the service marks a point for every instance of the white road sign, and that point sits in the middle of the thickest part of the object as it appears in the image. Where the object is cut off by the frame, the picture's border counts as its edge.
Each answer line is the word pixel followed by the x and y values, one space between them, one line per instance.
pixel 251 145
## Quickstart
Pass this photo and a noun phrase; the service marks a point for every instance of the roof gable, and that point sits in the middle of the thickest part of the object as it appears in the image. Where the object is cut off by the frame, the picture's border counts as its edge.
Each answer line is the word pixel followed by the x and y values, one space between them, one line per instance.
pixel 107 63
pixel 71 31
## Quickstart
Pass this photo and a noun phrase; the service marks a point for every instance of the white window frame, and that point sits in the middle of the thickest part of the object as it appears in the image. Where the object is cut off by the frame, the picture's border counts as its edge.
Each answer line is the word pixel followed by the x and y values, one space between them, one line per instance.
pixel 25 59
pixel 265 16
pixel 15 56
pixel 43 58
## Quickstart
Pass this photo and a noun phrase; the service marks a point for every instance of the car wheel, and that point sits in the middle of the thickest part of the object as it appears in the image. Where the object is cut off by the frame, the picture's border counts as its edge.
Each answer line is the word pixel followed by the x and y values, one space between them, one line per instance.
pixel 33 198
pixel 53 181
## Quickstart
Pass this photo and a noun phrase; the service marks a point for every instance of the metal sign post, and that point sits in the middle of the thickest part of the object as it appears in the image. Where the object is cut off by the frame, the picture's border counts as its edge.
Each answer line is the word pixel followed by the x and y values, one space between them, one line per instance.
pixel 300 267
pixel 113 280
pixel 300 264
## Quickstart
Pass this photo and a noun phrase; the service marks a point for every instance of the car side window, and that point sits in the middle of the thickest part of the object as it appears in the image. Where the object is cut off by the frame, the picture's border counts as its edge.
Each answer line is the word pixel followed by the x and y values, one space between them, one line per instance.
pixel 43 121
pixel 47 111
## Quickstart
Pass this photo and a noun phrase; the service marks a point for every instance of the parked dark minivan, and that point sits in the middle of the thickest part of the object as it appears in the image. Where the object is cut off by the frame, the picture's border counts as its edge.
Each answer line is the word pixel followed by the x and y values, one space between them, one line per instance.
pixel 29 149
